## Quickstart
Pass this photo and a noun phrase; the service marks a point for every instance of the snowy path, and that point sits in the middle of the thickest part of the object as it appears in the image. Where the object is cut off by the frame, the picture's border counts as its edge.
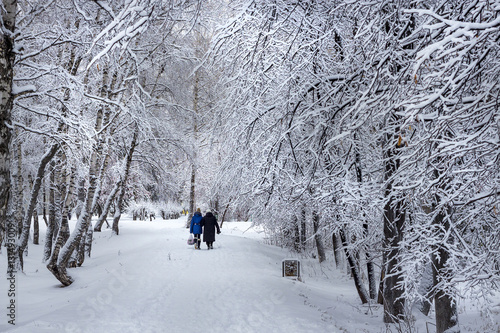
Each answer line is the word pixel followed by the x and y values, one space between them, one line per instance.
pixel 149 280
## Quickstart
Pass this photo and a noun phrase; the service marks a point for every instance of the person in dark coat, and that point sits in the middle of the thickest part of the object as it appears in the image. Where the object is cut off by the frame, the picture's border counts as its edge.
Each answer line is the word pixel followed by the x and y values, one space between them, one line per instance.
pixel 209 224
pixel 195 228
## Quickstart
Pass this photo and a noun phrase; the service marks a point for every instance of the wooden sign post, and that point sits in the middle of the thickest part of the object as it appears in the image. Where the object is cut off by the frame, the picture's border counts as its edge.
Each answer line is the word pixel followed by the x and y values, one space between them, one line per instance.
pixel 291 268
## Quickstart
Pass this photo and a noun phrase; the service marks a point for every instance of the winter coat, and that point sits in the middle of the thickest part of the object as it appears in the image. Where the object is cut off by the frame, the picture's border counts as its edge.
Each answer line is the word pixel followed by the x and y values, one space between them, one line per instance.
pixel 209 223
pixel 195 227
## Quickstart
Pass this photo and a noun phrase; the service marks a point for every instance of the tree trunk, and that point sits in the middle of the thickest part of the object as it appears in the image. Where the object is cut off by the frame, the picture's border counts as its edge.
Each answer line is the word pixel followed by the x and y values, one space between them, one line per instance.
pixel 80 198
pixel 88 241
pixel 107 205
pixel 444 304
pixel 44 203
pixel 62 237
pixel 49 235
pixel 26 224
pixel 337 247
pixel 372 283
pixel 317 237
pixel 77 257
pixel 67 188
pixel 192 199
pixel 191 196
pixel 372 280
pixel 59 268
pixel 425 289
pixel 380 297
pixel 303 229
pixel 19 187
pixel 7 56
pixel 36 228
pixel 394 221
pixel 223 214
pixel 80 250
pixel 118 211
pixel 57 199
pixel 66 181
pixel 296 233
pixel 121 195
pixel 363 294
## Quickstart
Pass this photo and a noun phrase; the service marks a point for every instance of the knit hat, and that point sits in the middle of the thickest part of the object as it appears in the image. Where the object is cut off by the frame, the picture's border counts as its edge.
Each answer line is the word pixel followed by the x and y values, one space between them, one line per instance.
pixel 209 211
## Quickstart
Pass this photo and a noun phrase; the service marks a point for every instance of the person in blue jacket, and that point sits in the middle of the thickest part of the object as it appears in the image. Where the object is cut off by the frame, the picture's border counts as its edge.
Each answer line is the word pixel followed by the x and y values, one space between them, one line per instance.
pixel 196 229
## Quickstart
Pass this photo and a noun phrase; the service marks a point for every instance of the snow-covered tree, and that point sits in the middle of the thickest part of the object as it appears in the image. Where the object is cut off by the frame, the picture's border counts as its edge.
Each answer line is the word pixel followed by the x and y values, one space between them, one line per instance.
pixel 385 114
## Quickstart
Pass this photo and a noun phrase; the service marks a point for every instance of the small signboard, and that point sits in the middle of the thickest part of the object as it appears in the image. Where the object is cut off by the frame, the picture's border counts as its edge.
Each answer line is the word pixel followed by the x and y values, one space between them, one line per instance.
pixel 291 268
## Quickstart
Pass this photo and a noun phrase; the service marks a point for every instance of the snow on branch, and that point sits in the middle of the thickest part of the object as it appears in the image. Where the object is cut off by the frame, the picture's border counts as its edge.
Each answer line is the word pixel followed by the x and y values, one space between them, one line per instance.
pixel 465 35
pixel 21 90
pixel 106 100
pixel 455 25
pixel 130 31
pixel 34 131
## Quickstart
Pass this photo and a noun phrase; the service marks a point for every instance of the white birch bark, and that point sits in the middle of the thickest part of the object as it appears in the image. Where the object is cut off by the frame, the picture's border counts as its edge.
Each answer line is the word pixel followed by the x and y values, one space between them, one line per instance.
pixel 6 101
pixel 59 269
pixel 121 195
pixel 26 223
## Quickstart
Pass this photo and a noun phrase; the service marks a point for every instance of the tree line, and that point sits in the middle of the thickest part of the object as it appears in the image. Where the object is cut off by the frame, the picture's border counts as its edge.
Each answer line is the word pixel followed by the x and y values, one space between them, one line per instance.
pixel 373 127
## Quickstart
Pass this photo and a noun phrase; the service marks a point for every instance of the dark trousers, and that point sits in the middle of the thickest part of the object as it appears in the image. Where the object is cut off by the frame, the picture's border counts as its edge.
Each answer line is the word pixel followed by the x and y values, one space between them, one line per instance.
pixel 210 244
pixel 197 240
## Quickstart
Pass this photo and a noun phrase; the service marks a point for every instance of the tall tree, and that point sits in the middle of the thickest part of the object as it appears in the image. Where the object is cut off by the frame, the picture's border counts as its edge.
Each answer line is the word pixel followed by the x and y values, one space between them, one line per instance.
pixel 7 57
pixel 126 171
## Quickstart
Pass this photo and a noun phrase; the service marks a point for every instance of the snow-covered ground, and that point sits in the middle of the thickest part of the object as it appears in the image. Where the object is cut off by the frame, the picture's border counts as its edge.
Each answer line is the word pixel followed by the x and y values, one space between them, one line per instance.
pixel 148 279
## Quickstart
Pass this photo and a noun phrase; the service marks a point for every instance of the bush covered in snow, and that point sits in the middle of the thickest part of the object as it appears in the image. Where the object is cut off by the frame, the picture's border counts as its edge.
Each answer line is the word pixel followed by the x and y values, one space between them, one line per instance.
pixel 143 210
pixel 169 210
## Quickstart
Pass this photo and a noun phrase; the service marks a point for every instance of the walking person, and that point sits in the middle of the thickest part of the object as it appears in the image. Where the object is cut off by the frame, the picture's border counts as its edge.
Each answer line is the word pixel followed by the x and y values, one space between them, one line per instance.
pixel 209 224
pixel 195 228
